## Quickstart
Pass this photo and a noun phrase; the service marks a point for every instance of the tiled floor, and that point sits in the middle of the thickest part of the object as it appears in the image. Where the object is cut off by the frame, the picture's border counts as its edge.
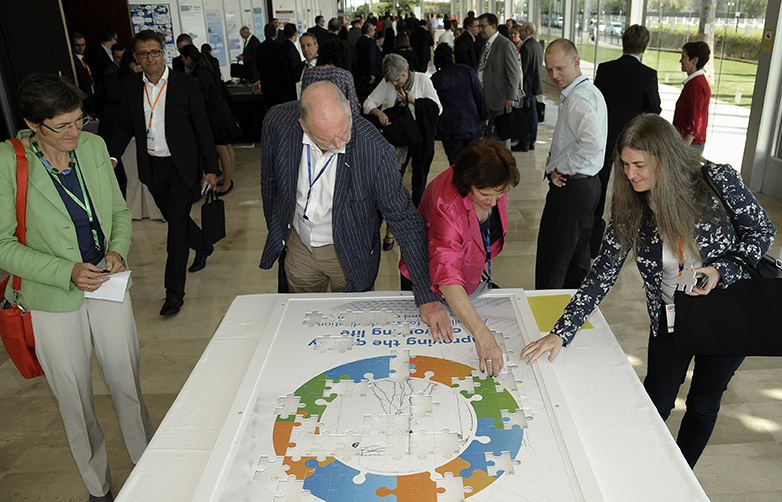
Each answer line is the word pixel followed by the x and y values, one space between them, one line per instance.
pixel 742 462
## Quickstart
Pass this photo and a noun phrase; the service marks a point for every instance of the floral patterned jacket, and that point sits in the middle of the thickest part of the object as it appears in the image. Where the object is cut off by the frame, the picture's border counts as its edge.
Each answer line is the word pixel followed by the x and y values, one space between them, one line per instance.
pixel 756 235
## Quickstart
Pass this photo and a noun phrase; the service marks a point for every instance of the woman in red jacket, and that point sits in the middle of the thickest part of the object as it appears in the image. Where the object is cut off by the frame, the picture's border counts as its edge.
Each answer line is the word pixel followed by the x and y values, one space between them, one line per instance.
pixel 691 116
pixel 465 210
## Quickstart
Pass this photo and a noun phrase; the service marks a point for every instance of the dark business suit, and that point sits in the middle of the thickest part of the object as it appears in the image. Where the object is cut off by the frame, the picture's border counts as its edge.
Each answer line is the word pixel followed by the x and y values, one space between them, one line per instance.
pixel 464 50
pixel 287 63
pixel 248 56
pixel 320 33
pixel 421 41
pixel 531 59
pixel 86 82
pixel 98 60
pixel 368 59
pixel 630 89
pixel 265 65
pixel 367 187
pixel 174 181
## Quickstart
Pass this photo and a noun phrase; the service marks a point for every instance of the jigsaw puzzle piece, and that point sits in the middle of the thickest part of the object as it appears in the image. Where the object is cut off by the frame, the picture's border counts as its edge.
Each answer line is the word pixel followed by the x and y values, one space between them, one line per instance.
pixel 411 487
pixel 290 491
pixel 387 423
pixel 421 406
pixel 442 370
pixel 510 420
pixel 348 388
pixel 466 386
pixel 499 465
pixel 334 473
pixel 301 445
pixel 334 343
pixel 312 319
pixel 450 489
pixel 379 367
pixel 288 406
pixel 399 365
pixel 447 444
pixel 270 468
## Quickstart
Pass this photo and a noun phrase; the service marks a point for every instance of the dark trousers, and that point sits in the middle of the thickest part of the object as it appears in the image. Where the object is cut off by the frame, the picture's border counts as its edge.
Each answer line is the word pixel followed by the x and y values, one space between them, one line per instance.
pixel 175 198
pixel 563 240
pixel 530 104
pixel 665 374
pixel 454 147
pixel 421 157
pixel 599 226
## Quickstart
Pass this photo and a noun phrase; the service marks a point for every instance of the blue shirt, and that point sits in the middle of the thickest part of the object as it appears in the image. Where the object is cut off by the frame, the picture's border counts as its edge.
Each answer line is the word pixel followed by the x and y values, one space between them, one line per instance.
pixel 89 253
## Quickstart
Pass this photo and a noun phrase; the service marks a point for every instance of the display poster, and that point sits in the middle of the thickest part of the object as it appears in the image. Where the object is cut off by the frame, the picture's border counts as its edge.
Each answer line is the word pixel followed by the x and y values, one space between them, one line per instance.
pixel 258 23
pixel 214 26
pixel 155 17
pixel 191 19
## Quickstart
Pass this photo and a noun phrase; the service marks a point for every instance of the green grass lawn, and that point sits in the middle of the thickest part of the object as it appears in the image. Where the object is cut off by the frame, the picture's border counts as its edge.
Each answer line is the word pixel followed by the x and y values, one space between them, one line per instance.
pixel 734 76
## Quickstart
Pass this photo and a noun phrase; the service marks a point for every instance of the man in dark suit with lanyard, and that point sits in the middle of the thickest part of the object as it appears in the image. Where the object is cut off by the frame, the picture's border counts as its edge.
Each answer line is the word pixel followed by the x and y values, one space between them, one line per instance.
pixel 326 178
pixel 630 89
pixel 164 110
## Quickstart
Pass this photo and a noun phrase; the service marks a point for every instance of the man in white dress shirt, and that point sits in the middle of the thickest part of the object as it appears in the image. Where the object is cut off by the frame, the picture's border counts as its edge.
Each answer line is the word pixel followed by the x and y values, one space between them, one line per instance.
pixel 576 156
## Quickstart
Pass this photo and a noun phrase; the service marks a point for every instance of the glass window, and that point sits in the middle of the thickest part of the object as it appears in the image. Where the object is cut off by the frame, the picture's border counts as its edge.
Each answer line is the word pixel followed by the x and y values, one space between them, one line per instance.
pixel 733 34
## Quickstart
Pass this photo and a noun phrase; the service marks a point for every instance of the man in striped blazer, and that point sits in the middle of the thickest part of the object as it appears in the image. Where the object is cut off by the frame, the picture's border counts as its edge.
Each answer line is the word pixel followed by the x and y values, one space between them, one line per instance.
pixel 326 180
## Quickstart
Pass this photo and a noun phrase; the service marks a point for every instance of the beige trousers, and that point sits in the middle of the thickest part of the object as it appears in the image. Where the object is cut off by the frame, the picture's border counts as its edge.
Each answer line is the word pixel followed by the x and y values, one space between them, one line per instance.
pixel 63 343
pixel 312 271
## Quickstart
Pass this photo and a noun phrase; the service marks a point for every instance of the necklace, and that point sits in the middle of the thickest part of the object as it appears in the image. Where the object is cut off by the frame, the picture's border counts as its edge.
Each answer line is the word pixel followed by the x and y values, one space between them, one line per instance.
pixel 48 165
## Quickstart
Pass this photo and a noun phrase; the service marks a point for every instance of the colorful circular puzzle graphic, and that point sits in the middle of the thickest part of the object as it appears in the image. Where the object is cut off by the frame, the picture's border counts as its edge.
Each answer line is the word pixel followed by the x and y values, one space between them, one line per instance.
pixel 380 426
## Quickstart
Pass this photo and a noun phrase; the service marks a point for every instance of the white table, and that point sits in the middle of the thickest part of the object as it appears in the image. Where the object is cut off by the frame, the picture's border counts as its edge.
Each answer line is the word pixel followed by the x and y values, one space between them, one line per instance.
pixel 630 449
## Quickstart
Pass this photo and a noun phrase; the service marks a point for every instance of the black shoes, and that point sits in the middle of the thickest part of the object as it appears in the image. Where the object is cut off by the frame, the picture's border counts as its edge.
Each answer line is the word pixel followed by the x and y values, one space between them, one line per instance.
pixel 518 147
pixel 170 308
pixel 227 190
pixel 199 263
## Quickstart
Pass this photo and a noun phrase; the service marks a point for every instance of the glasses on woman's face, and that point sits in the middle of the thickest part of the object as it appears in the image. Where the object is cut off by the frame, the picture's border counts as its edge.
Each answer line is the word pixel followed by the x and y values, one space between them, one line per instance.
pixel 78 124
pixel 155 53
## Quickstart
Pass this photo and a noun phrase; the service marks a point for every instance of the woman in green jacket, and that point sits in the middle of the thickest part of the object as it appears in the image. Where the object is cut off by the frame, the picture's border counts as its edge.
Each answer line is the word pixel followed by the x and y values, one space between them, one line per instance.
pixel 78 235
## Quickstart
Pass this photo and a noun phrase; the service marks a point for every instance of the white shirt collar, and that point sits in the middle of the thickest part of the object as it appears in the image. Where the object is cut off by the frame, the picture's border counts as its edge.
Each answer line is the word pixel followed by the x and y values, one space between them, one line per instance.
pixel 493 38
pixel 163 78
pixel 697 73
pixel 567 91
pixel 306 140
pixel 108 51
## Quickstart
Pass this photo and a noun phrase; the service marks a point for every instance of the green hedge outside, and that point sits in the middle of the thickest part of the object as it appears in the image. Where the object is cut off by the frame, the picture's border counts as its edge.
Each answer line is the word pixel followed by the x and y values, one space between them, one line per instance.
pixel 737 46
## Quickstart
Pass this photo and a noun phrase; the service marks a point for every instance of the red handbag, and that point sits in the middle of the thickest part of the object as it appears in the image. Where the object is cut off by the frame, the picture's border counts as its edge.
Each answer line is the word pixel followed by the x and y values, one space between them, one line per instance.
pixel 16 326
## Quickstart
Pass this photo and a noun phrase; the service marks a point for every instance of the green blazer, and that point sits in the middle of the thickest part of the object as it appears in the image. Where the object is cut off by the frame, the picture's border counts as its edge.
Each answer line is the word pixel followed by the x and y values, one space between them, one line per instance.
pixel 46 262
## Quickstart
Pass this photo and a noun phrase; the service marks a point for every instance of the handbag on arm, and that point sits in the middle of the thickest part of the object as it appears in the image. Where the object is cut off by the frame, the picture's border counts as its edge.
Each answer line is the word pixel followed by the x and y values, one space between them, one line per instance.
pixel 740 320
pixel 16 326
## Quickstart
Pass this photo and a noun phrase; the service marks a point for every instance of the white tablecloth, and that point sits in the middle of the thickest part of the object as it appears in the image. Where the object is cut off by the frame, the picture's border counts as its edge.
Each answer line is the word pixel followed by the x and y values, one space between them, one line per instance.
pixel 631 451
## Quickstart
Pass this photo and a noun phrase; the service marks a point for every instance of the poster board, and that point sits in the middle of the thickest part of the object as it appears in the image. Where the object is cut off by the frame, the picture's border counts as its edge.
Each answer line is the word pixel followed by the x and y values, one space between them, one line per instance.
pixel 352 396
pixel 157 17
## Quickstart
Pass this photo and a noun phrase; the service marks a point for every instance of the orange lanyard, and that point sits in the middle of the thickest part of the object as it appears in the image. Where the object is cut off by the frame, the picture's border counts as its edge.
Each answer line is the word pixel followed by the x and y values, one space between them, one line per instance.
pixel 153 105
pixel 681 257
pixel 89 73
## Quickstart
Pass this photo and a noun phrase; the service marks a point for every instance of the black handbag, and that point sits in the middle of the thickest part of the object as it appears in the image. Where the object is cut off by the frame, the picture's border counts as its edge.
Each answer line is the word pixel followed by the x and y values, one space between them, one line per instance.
pixel 739 320
pixel 541 109
pixel 514 124
pixel 401 129
pixel 212 218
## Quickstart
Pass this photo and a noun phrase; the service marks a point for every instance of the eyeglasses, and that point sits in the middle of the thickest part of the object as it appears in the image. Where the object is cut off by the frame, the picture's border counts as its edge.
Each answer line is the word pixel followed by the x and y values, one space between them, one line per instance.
pixel 155 53
pixel 78 124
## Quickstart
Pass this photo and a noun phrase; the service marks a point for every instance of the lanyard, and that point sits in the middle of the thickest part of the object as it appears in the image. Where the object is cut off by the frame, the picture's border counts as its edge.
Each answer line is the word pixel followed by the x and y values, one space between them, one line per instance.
pixel 85 205
pixel 312 183
pixel 681 257
pixel 487 241
pixel 153 105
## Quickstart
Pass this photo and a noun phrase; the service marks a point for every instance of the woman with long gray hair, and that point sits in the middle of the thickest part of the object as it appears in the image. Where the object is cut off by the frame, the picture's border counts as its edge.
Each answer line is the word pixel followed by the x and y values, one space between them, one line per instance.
pixel 404 87
pixel 666 213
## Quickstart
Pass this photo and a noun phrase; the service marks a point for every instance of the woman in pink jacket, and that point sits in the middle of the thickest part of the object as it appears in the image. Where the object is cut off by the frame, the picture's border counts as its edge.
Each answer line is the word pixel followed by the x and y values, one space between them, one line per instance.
pixel 465 209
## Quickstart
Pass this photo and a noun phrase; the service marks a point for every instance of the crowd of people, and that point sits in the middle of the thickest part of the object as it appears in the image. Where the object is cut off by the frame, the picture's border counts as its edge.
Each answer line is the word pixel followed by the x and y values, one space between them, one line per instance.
pixel 331 172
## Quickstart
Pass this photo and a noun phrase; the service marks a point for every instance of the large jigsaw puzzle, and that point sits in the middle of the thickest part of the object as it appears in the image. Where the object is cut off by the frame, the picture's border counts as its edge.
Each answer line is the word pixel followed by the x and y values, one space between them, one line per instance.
pixel 355 401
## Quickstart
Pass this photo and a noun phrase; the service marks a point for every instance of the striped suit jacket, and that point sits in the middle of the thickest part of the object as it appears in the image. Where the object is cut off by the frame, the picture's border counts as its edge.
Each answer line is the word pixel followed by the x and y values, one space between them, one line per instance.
pixel 367 186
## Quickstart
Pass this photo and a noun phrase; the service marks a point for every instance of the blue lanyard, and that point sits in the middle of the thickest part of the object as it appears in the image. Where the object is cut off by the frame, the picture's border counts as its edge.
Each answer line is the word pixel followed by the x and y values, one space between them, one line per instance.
pixel 312 183
pixel 487 242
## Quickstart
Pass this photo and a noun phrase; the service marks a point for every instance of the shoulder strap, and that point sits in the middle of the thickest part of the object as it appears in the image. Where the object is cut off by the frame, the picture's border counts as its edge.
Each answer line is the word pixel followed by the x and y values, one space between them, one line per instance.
pixel 21 200
pixel 720 196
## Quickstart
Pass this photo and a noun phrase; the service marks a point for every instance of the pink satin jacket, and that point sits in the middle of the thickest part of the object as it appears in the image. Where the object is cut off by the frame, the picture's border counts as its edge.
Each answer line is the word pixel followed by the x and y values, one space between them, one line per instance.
pixel 456 251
